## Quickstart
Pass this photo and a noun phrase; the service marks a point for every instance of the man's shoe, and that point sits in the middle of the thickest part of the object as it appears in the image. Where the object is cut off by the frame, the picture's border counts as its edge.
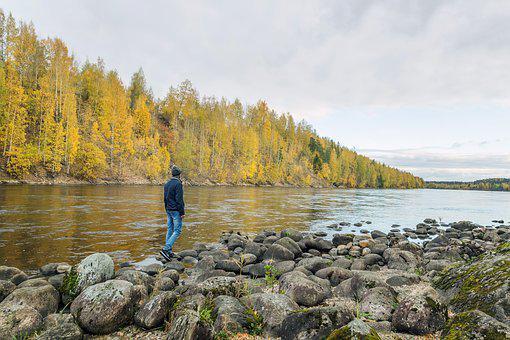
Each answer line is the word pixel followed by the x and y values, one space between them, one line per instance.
pixel 166 255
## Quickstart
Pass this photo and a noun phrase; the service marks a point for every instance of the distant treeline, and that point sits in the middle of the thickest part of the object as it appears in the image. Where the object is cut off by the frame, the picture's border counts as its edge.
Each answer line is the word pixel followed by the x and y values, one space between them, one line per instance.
pixel 62 118
pixel 491 184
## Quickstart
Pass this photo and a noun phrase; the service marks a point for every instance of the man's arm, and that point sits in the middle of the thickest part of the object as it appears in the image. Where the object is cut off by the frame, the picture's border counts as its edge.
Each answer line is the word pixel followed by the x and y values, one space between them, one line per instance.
pixel 165 196
pixel 179 197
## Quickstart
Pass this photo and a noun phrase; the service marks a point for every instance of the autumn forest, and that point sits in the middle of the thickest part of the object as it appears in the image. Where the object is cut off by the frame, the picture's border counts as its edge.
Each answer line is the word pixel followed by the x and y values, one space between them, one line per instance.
pixel 60 118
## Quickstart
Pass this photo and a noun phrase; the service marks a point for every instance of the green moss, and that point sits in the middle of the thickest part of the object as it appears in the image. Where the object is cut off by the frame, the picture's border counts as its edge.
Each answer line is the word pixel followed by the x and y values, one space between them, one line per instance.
pixel 70 283
pixel 465 325
pixel 475 283
pixel 345 333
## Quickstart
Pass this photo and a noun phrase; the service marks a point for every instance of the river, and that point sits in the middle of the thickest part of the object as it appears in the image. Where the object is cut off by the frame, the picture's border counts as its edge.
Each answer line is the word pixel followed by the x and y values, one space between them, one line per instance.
pixel 42 224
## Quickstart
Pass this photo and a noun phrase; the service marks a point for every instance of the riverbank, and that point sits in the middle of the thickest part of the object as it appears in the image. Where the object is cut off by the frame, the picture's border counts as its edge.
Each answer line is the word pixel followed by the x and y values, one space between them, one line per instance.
pixel 288 285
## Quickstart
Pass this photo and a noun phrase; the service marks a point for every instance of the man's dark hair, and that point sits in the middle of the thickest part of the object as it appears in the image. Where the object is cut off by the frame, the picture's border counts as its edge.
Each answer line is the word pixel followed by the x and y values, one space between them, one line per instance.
pixel 176 171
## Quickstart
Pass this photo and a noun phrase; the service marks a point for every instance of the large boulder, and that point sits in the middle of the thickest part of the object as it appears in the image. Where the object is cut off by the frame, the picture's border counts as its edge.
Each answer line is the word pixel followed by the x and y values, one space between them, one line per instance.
pixel 314 323
pixel 378 303
pixel 273 308
pixel 475 325
pixel 482 284
pixel 44 299
pixel 355 330
pixel 302 290
pixel 153 312
pixel 12 274
pixel 18 321
pixel 278 252
pixel 186 325
pixel 6 288
pixel 60 326
pixel 105 307
pixel 230 314
pixel 314 264
pixel 400 259
pixel 93 269
pixel 291 245
pixel 292 233
pixel 419 314
pixel 220 285
pixel 137 277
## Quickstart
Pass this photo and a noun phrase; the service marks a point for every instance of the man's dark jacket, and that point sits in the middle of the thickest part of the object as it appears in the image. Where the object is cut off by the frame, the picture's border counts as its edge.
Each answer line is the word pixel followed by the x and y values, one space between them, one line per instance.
pixel 174 200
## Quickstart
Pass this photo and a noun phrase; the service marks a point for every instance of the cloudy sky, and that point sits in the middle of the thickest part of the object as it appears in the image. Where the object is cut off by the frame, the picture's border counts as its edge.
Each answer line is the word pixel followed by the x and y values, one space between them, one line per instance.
pixel 421 85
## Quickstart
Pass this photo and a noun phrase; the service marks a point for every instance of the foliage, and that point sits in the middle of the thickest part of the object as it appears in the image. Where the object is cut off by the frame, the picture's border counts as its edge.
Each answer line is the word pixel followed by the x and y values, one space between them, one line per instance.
pixel 70 284
pixel 271 274
pixel 255 322
pixel 490 184
pixel 206 312
pixel 84 122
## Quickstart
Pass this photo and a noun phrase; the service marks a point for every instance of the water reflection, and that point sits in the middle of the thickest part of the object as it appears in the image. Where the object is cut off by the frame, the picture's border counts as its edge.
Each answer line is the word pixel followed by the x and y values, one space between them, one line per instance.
pixel 41 224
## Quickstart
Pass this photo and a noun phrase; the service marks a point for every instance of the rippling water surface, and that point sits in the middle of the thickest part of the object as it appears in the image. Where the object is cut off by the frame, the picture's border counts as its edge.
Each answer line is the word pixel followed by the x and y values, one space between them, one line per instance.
pixel 41 224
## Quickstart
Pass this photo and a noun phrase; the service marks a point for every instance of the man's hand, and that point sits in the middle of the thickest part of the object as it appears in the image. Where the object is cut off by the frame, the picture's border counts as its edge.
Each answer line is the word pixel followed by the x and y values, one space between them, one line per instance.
pixel 182 216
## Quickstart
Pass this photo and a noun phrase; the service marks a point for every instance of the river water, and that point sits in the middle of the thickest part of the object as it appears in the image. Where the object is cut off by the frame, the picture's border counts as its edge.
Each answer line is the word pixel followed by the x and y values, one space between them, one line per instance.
pixel 42 224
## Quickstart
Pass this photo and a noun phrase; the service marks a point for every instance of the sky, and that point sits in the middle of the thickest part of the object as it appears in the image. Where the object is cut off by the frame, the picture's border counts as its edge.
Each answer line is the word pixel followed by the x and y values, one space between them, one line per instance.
pixel 420 85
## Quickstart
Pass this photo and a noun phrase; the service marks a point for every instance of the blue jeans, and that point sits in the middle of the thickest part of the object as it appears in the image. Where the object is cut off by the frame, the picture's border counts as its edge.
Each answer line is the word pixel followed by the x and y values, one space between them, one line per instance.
pixel 174 229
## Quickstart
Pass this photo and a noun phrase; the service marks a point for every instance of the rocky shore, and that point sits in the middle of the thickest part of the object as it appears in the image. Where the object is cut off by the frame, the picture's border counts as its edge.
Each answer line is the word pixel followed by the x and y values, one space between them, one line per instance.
pixel 287 284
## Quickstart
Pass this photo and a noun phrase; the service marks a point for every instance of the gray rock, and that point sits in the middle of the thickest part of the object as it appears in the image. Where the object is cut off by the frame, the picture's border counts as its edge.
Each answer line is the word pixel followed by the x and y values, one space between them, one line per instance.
pixel 291 245
pixel 93 269
pixel 229 265
pixel 477 325
pixel 272 307
pixel 378 303
pixel 36 282
pixel 371 259
pixel 230 314
pixel 419 315
pixel 175 265
pixel 137 277
pixel 221 285
pixel 314 323
pixel 186 325
pixel 44 299
pixel 278 253
pixel 342 262
pixel 356 329
pixel 358 264
pixel 6 288
pixel 189 260
pixel 235 241
pixel 164 284
pixel 153 312
pixel 105 307
pixel 400 259
pixel 18 321
pixel 56 280
pixel 377 234
pixel 302 290
pixel 53 268
pixel 313 264
pixel 12 274
pixel 319 244
pixel 464 225
pixel 188 252
pixel 247 259
pixel 283 267
pixel 171 273
pixel 292 233
pixel 254 248
pixel 60 326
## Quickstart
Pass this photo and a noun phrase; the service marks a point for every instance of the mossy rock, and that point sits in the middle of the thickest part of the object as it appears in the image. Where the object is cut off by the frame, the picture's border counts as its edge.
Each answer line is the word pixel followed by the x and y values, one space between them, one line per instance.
pixel 483 284
pixel 475 325
pixel 354 330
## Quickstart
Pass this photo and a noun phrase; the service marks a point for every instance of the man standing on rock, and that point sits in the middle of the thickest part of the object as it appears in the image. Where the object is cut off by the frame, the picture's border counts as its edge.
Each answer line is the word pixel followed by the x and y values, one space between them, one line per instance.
pixel 174 206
